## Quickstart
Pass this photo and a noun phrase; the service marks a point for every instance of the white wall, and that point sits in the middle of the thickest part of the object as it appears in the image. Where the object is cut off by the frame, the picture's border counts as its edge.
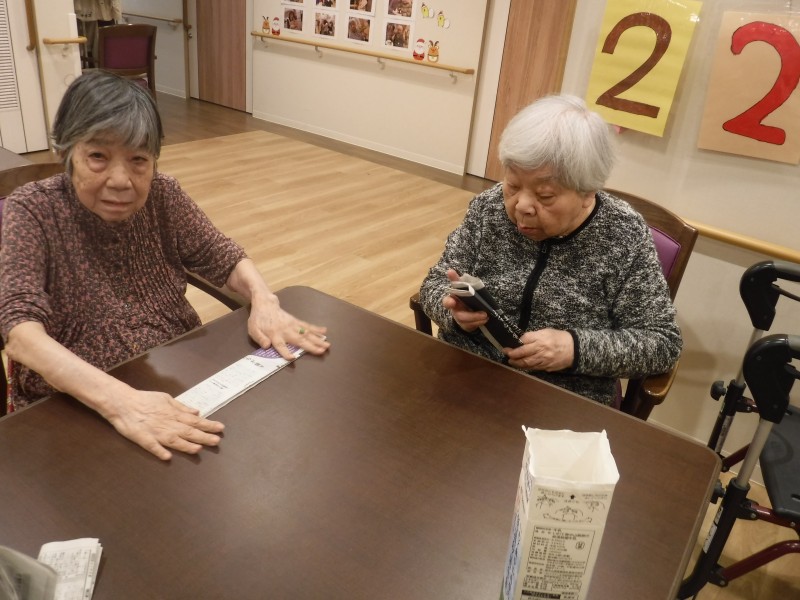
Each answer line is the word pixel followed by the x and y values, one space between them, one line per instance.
pixel 747 196
pixel 405 110
pixel 171 58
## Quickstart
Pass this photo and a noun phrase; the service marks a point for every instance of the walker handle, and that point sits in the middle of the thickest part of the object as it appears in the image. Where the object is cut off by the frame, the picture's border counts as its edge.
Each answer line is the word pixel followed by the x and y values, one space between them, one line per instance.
pixel 759 293
pixel 769 374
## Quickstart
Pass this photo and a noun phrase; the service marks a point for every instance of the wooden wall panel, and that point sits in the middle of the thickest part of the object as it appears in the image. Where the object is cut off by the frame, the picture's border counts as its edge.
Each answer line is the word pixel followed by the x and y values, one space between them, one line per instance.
pixel 221 52
pixel 534 56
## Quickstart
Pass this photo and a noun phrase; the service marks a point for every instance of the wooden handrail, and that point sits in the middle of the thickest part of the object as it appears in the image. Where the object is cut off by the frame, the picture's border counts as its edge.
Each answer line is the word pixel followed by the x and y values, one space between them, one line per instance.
pixel 358 50
pixel 172 22
pixel 746 242
pixel 55 41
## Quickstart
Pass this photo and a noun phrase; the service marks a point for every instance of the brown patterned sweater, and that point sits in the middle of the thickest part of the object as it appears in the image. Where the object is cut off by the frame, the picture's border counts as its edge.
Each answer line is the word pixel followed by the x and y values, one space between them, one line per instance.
pixel 106 292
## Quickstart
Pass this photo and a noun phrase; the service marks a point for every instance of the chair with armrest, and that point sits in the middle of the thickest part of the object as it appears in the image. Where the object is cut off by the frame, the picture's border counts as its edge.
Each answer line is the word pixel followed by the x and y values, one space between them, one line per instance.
pixel 10 179
pixel 129 50
pixel 674 240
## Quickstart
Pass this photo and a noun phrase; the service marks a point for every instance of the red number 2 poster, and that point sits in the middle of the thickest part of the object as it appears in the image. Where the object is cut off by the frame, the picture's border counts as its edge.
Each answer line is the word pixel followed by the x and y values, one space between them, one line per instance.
pixel 752 107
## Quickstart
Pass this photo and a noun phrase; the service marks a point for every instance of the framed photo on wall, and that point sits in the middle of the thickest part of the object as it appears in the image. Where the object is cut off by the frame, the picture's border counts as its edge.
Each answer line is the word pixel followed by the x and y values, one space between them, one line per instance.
pixel 293 19
pixel 363 6
pixel 325 24
pixel 397 35
pixel 359 29
pixel 400 8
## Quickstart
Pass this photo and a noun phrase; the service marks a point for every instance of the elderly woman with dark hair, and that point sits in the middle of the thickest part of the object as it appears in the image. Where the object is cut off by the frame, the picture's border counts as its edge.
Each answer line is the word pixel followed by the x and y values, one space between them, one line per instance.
pixel 92 269
pixel 573 266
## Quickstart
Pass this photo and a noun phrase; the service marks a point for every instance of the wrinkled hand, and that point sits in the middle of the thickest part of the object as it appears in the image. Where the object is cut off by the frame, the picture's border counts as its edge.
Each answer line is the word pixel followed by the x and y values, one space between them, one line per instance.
pixel 543 350
pixel 156 421
pixel 469 320
pixel 270 325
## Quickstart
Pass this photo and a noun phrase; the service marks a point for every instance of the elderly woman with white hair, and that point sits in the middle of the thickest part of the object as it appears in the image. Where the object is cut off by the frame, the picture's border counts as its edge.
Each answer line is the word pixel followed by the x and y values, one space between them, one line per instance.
pixel 574 267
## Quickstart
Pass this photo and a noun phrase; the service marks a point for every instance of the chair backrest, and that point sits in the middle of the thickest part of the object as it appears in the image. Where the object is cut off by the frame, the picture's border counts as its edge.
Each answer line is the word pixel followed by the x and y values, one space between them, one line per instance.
pixel 11 179
pixel 674 240
pixel 673 237
pixel 130 51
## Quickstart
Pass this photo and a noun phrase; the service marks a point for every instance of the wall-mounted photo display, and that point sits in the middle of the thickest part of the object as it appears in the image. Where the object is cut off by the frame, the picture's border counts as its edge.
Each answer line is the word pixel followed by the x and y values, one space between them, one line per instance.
pixel 326 3
pixel 397 35
pixel 325 24
pixel 359 29
pixel 400 8
pixel 363 6
pixel 292 19
pixel 292 1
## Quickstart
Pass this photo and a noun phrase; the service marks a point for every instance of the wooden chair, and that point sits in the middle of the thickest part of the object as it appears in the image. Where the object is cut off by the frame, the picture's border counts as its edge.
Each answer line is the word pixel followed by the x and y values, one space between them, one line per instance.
pixel 129 50
pixel 674 240
pixel 10 179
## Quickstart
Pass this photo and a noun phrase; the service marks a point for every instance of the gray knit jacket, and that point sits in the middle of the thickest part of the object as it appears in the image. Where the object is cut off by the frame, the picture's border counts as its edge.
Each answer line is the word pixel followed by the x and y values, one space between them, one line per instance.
pixel 603 283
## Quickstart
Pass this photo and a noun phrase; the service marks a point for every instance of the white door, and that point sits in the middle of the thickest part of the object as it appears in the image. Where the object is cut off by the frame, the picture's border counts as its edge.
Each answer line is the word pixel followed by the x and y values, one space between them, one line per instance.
pixel 22 119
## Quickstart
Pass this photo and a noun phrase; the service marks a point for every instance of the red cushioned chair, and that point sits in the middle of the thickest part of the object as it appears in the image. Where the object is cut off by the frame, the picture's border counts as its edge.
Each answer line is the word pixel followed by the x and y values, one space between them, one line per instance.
pixel 129 50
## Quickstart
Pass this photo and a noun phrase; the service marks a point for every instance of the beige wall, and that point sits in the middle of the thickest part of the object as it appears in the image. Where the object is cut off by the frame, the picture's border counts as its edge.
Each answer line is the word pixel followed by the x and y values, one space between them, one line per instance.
pixel 420 114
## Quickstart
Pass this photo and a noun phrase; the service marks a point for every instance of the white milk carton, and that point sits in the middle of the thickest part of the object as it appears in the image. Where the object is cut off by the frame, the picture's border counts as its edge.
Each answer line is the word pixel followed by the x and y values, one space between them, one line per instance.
pixel 564 494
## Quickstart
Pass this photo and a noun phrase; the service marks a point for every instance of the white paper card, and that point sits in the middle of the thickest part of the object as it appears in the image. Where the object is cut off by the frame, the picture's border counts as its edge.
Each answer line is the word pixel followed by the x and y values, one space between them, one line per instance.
pixel 564 494
pixel 213 393
pixel 76 562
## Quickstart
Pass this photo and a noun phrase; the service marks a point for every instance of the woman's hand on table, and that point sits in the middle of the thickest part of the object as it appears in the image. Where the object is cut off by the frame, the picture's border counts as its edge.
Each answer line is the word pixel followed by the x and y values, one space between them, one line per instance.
pixel 158 422
pixel 270 325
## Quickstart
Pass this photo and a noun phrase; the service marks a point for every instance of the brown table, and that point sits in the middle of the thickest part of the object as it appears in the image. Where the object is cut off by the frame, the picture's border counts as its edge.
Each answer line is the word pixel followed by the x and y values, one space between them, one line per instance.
pixel 9 159
pixel 386 469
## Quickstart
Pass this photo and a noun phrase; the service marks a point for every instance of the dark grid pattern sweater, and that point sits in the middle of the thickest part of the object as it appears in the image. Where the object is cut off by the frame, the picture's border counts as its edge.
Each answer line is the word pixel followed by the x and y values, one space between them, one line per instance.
pixel 106 292
pixel 603 283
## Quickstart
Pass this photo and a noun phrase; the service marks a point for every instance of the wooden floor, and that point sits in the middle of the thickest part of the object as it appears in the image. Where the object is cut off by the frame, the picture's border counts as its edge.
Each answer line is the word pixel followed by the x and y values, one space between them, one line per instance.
pixel 364 227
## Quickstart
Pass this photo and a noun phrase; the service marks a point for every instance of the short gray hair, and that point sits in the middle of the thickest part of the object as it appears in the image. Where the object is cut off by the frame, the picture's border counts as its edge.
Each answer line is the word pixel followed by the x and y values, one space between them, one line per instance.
pixel 99 104
pixel 562 133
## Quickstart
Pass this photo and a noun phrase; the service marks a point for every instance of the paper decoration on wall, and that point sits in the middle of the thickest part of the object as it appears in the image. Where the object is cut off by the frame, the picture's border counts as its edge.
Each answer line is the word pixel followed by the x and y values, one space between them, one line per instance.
pixel 419 50
pixel 442 21
pixel 274 29
pixel 433 51
pixel 427 13
pixel 640 53
pixel 751 105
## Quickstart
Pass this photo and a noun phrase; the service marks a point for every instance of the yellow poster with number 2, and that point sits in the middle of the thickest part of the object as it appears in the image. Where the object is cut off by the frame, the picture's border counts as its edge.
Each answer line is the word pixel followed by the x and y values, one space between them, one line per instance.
pixel 639 57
